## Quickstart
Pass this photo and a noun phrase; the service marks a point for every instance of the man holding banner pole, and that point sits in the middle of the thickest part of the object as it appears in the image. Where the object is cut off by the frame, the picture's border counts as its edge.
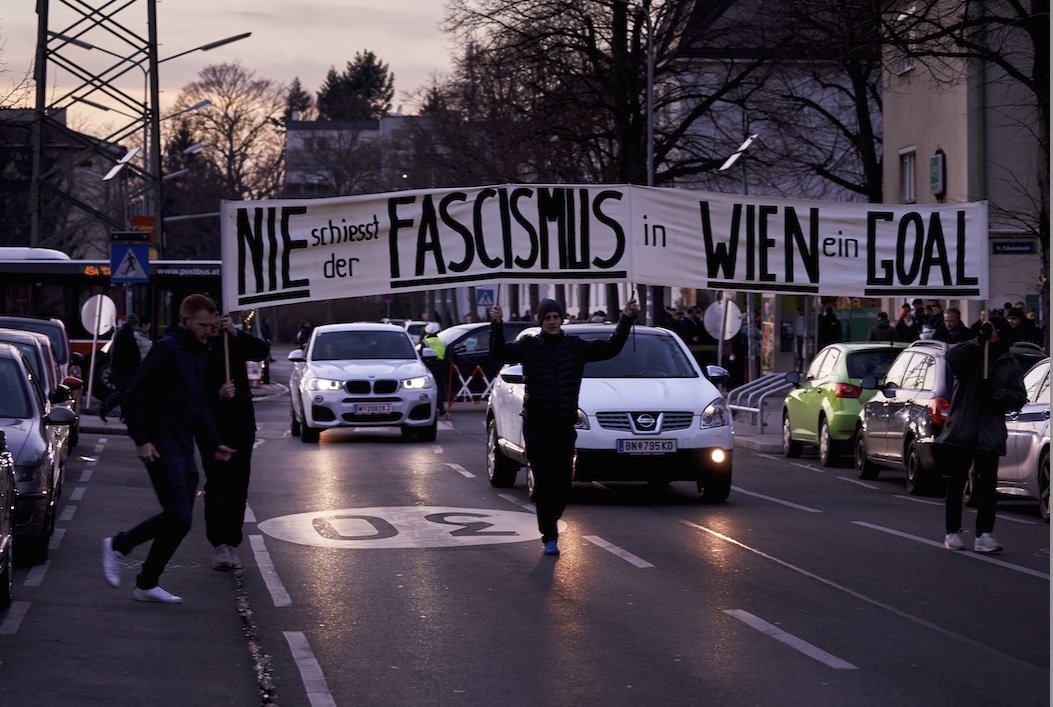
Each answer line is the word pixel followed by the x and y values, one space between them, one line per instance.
pixel 553 364
pixel 229 398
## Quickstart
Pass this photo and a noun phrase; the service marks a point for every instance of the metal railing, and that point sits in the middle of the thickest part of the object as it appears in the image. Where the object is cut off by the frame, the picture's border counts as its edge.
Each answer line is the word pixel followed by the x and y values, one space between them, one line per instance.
pixel 750 398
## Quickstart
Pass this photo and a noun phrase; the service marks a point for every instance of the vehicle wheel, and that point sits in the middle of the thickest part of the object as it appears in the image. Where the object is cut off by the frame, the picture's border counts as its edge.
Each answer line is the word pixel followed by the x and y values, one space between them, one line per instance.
pixel 828 448
pixel 499 469
pixel 103 386
pixel 865 469
pixel 1043 486
pixel 7 574
pixel 531 490
pixel 917 483
pixel 74 434
pixel 427 434
pixel 294 428
pixel 789 447
pixel 309 435
pixel 713 488
pixel 34 551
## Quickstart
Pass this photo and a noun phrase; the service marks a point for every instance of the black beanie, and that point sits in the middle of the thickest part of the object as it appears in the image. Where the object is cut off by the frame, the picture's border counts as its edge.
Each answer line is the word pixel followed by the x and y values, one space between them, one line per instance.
pixel 1002 326
pixel 549 305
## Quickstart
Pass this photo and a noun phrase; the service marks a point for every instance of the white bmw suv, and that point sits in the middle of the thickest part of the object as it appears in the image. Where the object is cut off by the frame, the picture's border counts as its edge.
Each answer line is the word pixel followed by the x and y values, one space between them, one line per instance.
pixel 648 414
pixel 362 375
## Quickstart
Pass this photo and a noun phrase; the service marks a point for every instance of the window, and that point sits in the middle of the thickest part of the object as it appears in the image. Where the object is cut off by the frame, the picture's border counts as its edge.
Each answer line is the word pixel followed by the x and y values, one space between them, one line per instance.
pixel 907 184
pixel 908 40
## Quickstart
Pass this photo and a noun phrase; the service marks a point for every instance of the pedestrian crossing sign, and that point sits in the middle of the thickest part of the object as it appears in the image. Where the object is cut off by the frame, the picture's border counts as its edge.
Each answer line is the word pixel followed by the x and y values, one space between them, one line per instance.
pixel 129 262
pixel 484 298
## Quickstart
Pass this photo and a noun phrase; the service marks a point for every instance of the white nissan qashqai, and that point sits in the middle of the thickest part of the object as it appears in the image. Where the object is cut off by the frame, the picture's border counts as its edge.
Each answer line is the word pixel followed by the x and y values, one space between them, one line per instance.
pixel 362 375
pixel 648 414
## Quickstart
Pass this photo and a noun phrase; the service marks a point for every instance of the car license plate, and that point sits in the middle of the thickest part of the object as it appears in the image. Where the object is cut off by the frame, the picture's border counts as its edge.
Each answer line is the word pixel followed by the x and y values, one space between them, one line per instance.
pixel 372 408
pixel 646 446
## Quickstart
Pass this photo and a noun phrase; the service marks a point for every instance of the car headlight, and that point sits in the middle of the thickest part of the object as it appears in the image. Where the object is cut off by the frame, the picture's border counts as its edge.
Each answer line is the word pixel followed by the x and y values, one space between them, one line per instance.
pixel 582 423
pixel 716 414
pixel 418 383
pixel 324 384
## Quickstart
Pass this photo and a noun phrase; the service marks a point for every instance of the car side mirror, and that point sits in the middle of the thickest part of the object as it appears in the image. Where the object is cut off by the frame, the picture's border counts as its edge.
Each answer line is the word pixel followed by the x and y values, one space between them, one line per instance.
pixel 76 359
pixel 869 382
pixel 458 350
pixel 513 374
pixel 428 353
pixel 60 394
pixel 793 377
pixel 60 415
pixel 717 375
pixel 73 383
pixel 296 355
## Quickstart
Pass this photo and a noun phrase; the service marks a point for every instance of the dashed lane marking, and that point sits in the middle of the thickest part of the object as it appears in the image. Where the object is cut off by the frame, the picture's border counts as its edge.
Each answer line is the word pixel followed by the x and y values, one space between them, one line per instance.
pixel 618 552
pixel 789 639
pixel 776 500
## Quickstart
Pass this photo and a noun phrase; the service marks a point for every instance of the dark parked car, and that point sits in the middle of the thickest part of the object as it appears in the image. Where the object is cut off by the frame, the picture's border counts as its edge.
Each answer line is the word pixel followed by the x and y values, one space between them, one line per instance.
pixel 898 425
pixel 468 347
pixel 37 350
pixel 35 433
pixel 7 522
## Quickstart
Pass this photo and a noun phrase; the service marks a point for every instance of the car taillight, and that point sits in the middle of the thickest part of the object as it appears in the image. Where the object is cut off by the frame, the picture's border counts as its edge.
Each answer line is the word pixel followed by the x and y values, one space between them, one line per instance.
pixel 938 408
pixel 847 390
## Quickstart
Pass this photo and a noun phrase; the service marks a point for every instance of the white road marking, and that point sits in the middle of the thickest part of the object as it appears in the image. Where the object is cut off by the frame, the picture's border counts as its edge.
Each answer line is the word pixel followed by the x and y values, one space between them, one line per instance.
pixel 250 517
pixel 461 470
pixel 522 504
pixel 970 643
pixel 857 482
pixel 85 476
pixel 789 639
pixel 67 513
pixel 776 500
pixel 279 596
pixel 617 551
pixel 965 553
pixel 13 618
pixel 77 493
pixel 999 516
pixel 36 574
pixel 809 467
pixel 99 445
pixel 56 538
pixel 313 678
pixel 773 457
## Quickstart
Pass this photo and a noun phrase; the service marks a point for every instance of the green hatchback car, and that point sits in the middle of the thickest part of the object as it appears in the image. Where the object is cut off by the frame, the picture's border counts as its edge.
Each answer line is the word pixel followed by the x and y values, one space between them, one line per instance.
pixel 823 406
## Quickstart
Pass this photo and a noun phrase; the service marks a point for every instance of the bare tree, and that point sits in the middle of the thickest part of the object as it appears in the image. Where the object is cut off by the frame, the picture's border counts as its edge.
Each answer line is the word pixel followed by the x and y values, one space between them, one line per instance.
pixel 241 129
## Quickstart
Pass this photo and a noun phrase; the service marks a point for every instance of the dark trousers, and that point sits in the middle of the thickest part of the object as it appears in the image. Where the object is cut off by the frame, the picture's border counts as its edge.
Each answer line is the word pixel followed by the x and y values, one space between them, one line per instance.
pixel 174 478
pixel 985 478
pixel 550 451
pixel 227 493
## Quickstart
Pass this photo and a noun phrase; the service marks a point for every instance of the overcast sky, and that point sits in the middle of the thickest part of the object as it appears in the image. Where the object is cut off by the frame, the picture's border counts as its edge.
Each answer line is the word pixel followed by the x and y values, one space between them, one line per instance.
pixel 290 38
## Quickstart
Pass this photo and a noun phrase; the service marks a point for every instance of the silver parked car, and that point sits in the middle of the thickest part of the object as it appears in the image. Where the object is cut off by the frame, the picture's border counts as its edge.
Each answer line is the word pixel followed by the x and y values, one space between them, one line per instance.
pixel 1024 470
pixel 364 374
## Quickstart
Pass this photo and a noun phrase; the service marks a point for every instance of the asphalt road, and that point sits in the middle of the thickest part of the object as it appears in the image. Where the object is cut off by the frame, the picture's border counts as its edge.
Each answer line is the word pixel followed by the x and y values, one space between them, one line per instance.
pixel 382 571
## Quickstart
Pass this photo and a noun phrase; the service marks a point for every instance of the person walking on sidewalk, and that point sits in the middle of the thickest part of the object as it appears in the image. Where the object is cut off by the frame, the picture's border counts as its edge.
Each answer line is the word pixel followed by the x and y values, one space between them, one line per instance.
pixel 553 363
pixel 166 411
pixel 230 402
pixel 988 382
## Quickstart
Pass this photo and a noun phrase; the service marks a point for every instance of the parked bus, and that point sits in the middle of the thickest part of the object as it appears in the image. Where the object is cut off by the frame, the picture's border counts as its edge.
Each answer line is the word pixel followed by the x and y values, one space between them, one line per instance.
pixel 46 283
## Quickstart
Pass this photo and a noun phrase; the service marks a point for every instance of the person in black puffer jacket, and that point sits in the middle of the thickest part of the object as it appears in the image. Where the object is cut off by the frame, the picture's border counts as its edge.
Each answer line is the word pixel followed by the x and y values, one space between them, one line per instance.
pixel 553 364
pixel 975 432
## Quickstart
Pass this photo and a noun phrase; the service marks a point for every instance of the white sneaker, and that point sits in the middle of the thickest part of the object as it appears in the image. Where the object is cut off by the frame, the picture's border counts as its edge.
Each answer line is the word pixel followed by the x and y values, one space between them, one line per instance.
pixel 986 543
pixel 221 557
pixel 235 561
pixel 953 541
pixel 156 594
pixel 111 563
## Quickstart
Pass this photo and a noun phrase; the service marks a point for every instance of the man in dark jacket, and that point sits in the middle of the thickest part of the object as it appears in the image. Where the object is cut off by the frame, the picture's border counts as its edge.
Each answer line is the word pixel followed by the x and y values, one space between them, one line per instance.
pixel 988 382
pixel 124 360
pixel 553 364
pixel 952 331
pixel 882 329
pixel 166 412
pixel 230 402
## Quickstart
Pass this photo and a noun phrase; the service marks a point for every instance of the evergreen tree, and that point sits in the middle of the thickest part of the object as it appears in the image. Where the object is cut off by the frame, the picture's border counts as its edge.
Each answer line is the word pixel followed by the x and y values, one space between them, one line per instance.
pixel 298 101
pixel 362 92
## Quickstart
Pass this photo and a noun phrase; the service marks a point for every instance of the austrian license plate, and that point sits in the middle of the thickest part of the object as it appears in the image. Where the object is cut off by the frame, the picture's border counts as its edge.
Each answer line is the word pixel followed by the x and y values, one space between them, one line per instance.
pixel 646 446
pixel 372 408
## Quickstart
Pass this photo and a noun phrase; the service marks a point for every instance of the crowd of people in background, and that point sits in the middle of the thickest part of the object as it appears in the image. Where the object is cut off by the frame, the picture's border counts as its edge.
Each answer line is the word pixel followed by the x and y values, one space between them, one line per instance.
pixel 918 320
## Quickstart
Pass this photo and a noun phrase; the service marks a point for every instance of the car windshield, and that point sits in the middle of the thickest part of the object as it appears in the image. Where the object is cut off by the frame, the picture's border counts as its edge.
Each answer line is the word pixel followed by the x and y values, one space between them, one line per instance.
pixel 13 399
pixel 362 345
pixel 642 357
pixel 870 363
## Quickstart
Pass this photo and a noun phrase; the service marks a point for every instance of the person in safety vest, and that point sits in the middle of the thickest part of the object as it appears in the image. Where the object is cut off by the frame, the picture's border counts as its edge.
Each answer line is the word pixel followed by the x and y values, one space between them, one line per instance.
pixel 439 367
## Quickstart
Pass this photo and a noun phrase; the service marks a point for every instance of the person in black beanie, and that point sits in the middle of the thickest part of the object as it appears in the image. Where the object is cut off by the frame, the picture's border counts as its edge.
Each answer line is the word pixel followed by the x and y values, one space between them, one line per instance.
pixel 553 364
pixel 988 382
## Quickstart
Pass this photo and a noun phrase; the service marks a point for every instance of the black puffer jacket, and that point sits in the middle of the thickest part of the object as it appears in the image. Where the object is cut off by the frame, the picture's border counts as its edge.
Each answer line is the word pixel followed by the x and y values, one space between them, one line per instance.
pixel 977 415
pixel 165 402
pixel 234 417
pixel 553 366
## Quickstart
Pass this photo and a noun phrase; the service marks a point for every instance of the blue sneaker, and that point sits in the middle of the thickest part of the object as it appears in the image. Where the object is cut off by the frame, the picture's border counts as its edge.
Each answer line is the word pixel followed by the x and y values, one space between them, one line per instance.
pixel 550 548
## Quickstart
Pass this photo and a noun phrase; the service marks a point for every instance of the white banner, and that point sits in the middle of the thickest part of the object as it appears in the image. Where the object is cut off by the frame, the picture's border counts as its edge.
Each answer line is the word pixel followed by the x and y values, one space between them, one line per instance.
pixel 286 251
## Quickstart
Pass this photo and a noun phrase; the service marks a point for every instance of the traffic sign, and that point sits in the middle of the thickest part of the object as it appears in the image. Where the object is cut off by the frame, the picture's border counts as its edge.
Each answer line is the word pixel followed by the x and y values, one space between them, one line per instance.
pixel 129 262
pixel 484 298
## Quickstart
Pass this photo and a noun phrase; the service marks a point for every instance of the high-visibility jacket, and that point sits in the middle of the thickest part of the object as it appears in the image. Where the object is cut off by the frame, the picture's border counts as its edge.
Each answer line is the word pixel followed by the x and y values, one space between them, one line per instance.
pixel 437 345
